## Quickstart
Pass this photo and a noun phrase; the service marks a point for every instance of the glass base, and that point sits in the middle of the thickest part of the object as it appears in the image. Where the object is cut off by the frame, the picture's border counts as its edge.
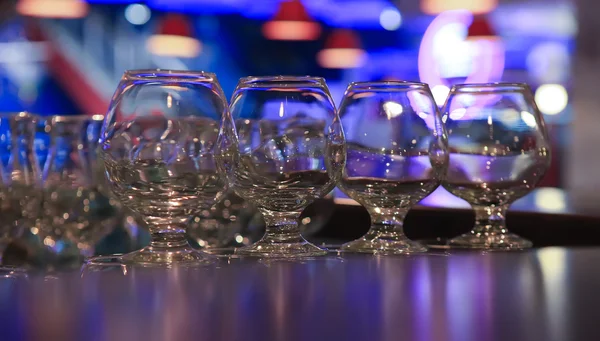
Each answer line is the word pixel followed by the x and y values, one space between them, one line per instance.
pixel 269 248
pixel 497 241
pixel 159 257
pixel 375 243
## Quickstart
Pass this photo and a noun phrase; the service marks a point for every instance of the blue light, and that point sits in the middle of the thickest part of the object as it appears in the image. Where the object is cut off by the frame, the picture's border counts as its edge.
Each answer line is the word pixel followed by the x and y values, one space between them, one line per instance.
pixel 137 14
pixel 390 19
pixel 203 7
pixel 336 13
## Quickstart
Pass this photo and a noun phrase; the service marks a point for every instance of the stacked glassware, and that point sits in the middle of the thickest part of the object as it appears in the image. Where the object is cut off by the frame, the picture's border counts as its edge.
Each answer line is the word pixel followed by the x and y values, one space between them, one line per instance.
pixel 53 184
pixel 20 195
pixel 75 207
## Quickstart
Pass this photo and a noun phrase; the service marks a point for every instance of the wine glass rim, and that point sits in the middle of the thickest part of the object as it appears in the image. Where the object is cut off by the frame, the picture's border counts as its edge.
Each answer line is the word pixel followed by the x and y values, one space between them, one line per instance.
pixel 145 74
pixel 489 87
pixel 281 80
pixel 376 85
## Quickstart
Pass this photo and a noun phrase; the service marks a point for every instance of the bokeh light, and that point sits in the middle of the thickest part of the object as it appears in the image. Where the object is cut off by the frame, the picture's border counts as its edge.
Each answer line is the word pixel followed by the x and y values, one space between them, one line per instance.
pixel 392 109
pixel 59 9
pixel 390 19
pixel 551 199
pixel 291 30
pixel 446 54
pixel 528 118
pixel 137 14
pixel 173 46
pixel 342 51
pixel 551 99
pixel 474 6
pixel 440 92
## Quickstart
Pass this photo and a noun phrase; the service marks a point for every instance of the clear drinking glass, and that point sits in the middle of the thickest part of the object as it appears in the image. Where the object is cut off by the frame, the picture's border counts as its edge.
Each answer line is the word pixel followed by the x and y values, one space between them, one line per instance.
pixel 19 177
pixel 157 145
pixel 396 156
pixel 499 150
pixel 287 152
pixel 74 210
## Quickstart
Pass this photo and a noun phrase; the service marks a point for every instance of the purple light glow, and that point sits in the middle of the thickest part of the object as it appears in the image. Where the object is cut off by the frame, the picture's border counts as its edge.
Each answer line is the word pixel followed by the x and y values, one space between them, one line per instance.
pixel 488 60
pixel 486 55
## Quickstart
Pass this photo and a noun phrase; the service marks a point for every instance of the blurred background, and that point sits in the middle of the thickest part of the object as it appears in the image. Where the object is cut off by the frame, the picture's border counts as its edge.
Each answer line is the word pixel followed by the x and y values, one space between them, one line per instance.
pixel 66 56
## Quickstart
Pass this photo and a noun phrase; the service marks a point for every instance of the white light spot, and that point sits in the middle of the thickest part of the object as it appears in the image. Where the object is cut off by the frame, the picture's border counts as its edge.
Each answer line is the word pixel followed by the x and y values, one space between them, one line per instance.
pixel 529 119
pixel 440 92
pixel 137 14
pixel 451 52
pixel 552 199
pixel 392 109
pixel 552 99
pixel 49 242
pixel 457 114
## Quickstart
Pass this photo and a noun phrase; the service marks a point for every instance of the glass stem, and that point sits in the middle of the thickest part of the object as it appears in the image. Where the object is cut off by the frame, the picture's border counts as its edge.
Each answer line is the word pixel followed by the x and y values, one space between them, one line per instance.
pixel 282 227
pixel 490 219
pixel 387 224
pixel 167 234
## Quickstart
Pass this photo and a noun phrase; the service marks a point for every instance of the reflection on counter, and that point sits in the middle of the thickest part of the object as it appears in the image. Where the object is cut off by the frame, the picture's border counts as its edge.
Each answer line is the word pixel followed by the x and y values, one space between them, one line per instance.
pixel 546 294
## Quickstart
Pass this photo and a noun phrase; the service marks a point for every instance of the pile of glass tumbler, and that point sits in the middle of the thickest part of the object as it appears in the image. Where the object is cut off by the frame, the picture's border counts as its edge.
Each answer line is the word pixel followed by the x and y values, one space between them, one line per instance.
pixel 171 147
pixel 51 184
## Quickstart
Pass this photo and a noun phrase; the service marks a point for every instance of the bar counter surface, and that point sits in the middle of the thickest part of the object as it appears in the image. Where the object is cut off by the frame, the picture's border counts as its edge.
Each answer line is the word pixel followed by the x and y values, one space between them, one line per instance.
pixel 542 294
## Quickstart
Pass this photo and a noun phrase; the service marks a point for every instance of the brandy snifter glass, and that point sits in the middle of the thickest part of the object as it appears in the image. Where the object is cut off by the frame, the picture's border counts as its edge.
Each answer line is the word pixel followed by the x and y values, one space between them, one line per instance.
pixel 396 156
pixel 157 145
pixel 281 149
pixel 498 152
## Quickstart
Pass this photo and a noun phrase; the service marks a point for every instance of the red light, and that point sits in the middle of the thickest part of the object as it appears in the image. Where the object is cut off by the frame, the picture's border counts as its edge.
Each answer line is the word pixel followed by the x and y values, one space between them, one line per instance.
pixel 480 28
pixel 174 38
pixel 342 51
pixel 291 22
pixel 473 6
